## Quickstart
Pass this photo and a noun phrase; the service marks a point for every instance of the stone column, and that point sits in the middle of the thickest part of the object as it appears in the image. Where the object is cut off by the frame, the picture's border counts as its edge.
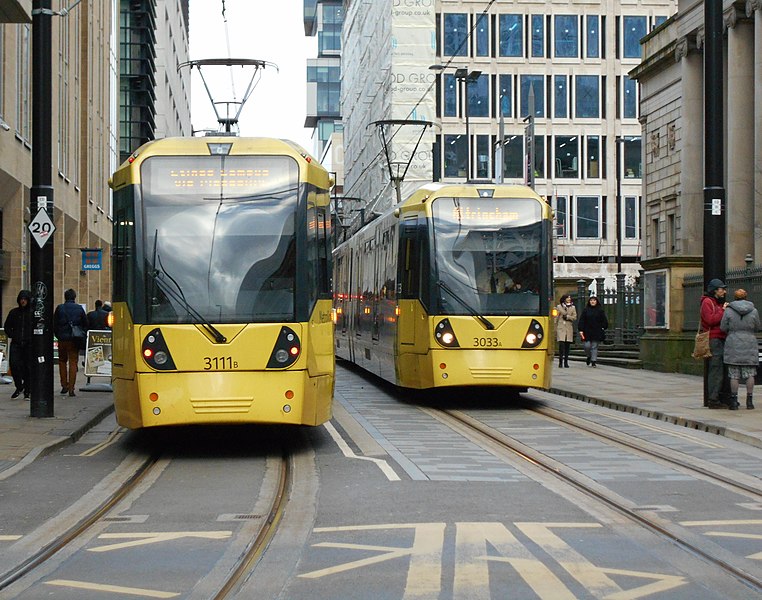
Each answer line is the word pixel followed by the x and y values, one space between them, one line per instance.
pixel 690 140
pixel 754 10
pixel 740 151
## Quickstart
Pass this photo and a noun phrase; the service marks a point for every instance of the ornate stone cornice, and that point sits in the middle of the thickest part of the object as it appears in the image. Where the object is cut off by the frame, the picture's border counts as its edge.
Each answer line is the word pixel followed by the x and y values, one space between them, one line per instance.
pixel 700 37
pixel 681 49
pixel 730 16
pixel 752 5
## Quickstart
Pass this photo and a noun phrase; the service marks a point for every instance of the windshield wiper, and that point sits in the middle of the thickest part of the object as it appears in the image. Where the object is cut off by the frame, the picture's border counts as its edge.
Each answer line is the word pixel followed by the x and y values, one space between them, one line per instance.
pixel 156 274
pixel 467 306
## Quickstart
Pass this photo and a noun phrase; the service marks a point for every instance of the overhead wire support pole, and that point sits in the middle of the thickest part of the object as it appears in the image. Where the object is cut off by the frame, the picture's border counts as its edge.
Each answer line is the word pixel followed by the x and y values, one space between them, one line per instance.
pixel 41 209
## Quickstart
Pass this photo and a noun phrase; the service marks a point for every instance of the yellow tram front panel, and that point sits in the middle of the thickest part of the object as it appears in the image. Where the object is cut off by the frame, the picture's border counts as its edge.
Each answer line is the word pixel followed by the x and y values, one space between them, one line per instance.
pixel 480 357
pixel 229 382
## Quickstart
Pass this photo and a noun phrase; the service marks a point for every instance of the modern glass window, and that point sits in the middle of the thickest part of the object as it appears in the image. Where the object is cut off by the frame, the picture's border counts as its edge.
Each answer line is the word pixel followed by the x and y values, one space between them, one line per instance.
pixel 566 36
pixel 513 157
pixel 631 217
pixel 455 155
pixel 511 35
pixel 630 100
pixel 455 34
pixel 593 157
pixel 538 36
pixel 587 97
pixel 23 81
pixel 561 214
pixel 482 35
pixel 506 95
pixel 588 217
pixel 450 93
pixel 539 156
pixel 560 96
pixel 632 165
pixel 483 154
pixel 634 29
pixel 537 83
pixel 567 156
pixel 478 97
pixel 592 36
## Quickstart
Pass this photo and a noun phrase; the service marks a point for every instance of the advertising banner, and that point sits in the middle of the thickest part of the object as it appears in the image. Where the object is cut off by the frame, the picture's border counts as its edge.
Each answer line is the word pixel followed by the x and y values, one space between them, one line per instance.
pixel 98 354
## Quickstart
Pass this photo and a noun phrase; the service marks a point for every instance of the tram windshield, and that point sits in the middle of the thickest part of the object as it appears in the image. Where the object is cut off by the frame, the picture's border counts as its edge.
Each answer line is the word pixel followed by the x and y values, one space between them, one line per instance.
pixel 488 254
pixel 219 239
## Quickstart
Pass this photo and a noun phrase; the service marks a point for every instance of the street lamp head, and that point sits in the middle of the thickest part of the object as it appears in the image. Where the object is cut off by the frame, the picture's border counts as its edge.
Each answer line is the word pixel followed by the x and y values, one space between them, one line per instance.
pixel 461 73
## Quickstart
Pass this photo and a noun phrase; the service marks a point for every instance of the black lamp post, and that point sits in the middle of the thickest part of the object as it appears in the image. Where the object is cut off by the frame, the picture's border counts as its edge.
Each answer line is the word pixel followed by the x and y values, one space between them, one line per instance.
pixel 619 150
pixel 462 74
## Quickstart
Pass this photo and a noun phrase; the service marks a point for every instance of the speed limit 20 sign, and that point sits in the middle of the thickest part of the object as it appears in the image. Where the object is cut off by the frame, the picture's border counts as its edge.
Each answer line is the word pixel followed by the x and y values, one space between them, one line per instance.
pixel 41 227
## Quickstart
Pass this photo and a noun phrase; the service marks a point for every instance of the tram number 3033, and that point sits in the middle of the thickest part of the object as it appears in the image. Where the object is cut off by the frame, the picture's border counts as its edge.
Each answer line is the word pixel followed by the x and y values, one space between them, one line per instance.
pixel 219 363
pixel 486 342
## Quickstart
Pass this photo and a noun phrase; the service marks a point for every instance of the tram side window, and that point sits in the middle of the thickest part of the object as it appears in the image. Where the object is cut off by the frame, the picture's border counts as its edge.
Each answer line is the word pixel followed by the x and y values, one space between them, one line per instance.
pixel 413 271
pixel 124 247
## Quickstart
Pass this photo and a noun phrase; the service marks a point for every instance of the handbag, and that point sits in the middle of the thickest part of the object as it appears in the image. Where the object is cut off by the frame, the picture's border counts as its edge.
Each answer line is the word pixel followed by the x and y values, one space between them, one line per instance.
pixel 701 346
pixel 77 333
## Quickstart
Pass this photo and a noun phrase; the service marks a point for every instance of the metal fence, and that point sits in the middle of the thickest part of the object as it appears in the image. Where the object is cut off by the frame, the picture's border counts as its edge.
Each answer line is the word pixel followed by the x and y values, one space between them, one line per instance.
pixel 749 278
pixel 623 306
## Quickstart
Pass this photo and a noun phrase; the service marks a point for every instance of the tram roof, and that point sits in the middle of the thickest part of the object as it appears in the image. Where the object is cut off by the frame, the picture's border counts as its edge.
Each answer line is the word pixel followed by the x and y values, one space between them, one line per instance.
pixel 238 146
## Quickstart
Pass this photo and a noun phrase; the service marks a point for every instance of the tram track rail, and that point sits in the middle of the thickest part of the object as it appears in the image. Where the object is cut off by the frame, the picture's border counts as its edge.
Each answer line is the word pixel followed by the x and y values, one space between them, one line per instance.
pixel 266 532
pixel 59 542
pixel 475 429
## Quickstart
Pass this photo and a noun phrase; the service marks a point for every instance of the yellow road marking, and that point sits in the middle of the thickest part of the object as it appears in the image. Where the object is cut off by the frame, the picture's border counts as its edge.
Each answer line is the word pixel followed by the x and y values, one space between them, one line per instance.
pixel 114 589
pixel 142 539
pixel 112 437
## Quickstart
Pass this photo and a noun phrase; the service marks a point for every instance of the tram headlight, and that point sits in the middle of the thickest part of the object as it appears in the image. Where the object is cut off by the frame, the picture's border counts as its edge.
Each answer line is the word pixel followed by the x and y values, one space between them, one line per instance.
pixel 156 353
pixel 534 335
pixel 444 334
pixel 286 350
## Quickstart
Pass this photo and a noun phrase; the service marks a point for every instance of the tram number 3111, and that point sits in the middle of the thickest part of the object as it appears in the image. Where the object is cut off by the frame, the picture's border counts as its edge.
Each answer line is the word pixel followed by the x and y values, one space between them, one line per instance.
pixel 218 363
pixel 486 342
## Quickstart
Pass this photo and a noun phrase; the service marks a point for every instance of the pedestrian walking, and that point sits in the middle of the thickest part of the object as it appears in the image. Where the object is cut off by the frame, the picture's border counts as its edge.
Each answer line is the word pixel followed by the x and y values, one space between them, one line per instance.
pixel 19 326
pixel 69 322
pixel 593 324
pixel 712 309
pixel 567 314
pixel 96 319
pixel 740 322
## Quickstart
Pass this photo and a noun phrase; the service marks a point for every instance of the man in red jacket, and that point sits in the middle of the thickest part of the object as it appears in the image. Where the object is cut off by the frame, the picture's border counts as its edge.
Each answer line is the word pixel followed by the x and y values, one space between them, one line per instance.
pixel 712 308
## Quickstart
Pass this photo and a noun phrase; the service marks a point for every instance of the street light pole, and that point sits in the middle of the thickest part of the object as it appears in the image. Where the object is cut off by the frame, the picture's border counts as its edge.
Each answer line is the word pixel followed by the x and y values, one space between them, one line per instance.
pixel 462 74
pixel 41 208
pixel 618 146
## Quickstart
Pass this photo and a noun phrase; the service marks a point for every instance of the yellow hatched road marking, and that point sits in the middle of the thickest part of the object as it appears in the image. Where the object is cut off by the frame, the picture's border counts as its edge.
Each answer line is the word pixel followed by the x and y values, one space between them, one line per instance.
pixel 9 538
pixel 112 437
pixel 142 539
pixel 473 542
pixel 114 589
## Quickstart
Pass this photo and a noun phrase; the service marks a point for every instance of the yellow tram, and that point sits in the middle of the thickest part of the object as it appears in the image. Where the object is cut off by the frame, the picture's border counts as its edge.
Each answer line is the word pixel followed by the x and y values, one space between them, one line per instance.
pixel 221 284
pixel 451 287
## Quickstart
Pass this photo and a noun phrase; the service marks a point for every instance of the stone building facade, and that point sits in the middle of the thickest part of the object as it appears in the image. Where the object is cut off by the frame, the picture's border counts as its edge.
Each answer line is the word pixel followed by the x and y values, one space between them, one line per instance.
pixel 672 84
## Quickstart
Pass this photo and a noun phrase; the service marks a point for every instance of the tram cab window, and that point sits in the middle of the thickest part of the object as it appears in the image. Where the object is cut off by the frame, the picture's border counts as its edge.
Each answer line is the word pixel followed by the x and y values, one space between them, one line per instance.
pixel 488 254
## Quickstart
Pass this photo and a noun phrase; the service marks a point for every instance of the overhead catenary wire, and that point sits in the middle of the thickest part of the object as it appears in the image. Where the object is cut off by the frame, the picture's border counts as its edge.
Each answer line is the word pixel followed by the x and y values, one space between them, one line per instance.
pixel 449 61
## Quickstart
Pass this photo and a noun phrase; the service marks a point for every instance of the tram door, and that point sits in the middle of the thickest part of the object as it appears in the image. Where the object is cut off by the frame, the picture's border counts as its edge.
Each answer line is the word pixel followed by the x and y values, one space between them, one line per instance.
pixel 408 281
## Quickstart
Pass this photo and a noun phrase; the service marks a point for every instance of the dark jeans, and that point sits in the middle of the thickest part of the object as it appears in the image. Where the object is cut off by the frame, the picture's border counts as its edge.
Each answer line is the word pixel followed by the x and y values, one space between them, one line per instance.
pixel 20 362
pixel 715 372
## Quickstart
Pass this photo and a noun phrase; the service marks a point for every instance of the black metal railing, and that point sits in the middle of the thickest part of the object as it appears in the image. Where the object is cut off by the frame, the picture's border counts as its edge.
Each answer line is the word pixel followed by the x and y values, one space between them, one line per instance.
pixel 623 306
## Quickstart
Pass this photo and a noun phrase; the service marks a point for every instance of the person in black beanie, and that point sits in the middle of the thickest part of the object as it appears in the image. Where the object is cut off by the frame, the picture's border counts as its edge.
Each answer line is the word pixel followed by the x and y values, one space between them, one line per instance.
pixel 19 326
pixel 593 324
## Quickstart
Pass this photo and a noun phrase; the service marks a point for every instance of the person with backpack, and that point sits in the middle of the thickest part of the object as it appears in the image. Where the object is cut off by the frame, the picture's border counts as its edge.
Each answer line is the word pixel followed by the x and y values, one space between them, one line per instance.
pixel 70 327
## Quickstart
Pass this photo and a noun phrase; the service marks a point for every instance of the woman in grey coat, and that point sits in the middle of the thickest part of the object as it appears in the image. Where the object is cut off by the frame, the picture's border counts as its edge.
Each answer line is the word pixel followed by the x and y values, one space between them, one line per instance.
pixel 741 322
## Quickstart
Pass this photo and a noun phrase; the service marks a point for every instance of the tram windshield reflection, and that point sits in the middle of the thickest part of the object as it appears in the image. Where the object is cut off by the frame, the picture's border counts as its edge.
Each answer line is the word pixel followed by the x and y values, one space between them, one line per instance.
pixel 224 229
pixel 488 251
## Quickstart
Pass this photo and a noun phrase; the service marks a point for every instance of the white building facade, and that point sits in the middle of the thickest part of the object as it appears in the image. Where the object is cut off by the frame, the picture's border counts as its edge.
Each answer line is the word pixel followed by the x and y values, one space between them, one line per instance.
pixel 573 56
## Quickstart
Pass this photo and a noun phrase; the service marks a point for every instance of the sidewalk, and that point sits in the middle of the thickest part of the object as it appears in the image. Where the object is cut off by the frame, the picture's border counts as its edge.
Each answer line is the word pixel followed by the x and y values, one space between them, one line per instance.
pixel 24 438
pixel 668 397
